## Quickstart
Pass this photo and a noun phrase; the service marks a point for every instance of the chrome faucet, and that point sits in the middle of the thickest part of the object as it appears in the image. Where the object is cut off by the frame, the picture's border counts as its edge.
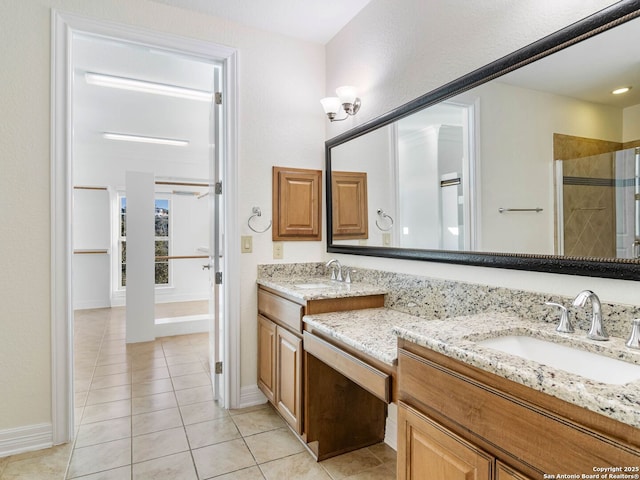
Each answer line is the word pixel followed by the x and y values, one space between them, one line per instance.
pixel 335 265
pixel 634 337
pixel 564 326
pixel 597 331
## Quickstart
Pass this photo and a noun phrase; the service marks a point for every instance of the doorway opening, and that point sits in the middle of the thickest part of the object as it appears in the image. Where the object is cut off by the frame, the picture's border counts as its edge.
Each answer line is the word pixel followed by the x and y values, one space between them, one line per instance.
pixel 128 102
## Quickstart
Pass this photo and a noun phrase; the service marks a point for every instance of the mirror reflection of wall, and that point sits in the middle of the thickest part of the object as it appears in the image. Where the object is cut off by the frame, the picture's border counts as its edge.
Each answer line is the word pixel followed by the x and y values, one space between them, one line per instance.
pixel 418 174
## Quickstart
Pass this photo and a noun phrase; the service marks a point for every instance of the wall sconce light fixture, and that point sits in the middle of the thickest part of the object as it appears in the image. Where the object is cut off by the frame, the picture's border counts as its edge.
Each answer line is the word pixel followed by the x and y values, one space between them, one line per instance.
pixel 346 99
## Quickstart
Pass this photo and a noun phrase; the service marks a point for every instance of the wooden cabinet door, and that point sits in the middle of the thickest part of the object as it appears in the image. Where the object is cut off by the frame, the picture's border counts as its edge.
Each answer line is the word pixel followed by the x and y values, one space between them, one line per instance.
pixel 349 205
pixel 297 200
pixel 289 377
pixel 505 472
pixel 426 450
pixel 267 357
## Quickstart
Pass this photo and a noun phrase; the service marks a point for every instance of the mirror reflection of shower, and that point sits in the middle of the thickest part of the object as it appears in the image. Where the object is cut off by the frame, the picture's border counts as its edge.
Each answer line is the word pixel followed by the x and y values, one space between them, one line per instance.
pixel 598 205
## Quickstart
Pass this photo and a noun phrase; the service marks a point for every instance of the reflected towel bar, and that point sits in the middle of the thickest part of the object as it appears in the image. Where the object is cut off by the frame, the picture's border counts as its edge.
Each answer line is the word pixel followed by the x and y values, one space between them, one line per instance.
pixel 537 209
pixel 179 257
pixel 384 215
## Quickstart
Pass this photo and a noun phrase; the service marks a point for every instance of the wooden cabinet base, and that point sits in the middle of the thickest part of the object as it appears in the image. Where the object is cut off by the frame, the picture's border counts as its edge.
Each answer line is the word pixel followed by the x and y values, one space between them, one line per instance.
pixel 341 416
pixel 528 430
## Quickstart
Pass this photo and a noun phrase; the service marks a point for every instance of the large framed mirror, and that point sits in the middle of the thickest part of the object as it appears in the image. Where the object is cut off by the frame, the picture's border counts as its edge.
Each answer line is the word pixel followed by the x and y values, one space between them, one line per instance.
pixel 530 162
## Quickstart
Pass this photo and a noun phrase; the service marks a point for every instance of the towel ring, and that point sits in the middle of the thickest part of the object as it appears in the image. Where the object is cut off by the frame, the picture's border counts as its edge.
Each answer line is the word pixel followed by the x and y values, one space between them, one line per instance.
pixel 382 214
pixel 257 213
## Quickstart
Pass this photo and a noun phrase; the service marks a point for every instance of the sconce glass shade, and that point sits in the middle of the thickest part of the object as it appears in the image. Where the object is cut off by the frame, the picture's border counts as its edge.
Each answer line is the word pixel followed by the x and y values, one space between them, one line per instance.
pixel 347 101
pixel 330 105
pixel 347 94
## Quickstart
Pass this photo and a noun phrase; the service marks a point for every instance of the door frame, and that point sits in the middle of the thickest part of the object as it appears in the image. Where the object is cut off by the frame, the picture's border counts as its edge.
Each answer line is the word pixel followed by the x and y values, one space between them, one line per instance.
pixel 63 25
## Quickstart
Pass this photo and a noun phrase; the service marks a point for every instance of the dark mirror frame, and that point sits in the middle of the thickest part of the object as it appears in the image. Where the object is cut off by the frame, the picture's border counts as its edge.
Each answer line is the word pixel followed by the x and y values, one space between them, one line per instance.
pixel 626 269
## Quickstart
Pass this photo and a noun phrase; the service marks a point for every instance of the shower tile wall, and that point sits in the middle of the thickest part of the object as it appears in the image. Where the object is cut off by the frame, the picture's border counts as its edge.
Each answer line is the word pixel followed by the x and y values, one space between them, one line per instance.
pixel 589 206
pixel 588 195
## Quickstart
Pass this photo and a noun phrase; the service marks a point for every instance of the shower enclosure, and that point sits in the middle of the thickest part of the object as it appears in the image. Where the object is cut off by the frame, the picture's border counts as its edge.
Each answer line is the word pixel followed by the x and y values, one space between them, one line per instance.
pixel 598 205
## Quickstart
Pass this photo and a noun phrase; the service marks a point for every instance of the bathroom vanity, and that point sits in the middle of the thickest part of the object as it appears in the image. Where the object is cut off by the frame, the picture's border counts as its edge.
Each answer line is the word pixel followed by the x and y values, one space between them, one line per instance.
pixel 465 408
pixel 287 372
pixel 491 415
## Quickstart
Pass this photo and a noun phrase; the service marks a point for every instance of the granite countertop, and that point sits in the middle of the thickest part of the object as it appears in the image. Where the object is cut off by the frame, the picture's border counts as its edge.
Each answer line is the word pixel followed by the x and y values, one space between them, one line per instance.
pixel 369 330
pixel 375 332
pixel 317 288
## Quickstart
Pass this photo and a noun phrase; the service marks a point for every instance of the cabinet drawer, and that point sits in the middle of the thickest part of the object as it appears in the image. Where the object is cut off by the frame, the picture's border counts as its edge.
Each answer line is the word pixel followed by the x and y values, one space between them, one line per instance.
pixel 280 310
pixel 368 377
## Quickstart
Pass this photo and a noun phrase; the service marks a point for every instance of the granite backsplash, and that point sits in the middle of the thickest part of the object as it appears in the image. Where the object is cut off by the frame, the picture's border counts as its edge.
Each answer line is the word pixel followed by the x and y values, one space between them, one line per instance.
pixel 431 298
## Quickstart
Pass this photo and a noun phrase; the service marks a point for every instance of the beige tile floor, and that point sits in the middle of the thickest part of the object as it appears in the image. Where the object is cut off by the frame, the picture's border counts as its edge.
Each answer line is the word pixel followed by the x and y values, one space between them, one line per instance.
pixel 145 411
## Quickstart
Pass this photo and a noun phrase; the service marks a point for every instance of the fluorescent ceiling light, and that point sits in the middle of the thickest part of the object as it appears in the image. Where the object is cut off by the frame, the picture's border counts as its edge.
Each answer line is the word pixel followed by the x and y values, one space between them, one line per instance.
pixel 142 139
pixel 146 87
pixel 620 91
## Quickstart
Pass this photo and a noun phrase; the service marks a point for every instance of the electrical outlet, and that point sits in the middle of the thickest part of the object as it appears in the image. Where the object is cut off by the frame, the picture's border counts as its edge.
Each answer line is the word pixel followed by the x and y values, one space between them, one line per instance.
pixel 246 244
pixel 386 239
pixel 278 250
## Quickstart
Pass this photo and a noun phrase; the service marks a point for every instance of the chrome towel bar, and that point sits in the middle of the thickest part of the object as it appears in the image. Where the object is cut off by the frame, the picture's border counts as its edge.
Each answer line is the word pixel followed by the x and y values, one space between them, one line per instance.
pixel 537 209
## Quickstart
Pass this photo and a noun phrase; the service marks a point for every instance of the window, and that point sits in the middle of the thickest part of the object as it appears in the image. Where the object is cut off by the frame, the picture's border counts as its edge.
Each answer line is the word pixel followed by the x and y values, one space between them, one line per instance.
pixel 162 221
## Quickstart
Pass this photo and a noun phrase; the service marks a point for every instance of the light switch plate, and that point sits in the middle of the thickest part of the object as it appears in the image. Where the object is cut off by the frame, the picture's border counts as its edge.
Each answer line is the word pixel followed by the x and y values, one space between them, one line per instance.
pixel 278 250
pixel 246 244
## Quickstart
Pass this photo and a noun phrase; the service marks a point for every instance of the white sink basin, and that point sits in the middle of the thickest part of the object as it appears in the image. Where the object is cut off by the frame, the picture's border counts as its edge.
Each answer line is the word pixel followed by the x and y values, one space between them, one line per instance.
pixel 311 286
pixel 573 360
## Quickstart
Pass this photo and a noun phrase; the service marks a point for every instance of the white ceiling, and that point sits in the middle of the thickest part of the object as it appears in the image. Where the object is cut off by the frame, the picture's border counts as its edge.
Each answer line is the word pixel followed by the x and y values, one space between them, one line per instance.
pixel 312 20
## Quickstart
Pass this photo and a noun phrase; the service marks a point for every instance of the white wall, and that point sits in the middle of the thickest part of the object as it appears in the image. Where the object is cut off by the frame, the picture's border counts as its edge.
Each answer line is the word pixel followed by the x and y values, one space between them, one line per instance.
pixel 280 123
pixel 418 213
pixel 92 231
pixel 140 326
pixel 631 116
pixel 514 159
pixel 394 54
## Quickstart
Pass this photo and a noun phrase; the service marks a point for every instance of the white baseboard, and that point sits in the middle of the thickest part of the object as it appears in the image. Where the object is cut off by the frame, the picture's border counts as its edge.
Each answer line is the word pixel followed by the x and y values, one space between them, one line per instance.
pixel 91 304
pixel 25 439
pixel 251 396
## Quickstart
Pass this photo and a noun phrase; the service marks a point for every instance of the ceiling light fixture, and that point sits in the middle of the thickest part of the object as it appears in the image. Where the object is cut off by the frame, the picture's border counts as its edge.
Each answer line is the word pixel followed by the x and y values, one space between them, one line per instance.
pixel 347 99
pixel 134 85
pixel 142 139
pixel 620 91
